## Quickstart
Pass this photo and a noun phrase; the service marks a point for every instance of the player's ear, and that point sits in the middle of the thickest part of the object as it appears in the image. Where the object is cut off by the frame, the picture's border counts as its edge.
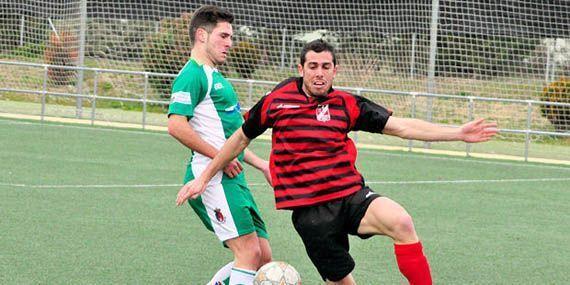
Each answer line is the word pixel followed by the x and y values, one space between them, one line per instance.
pixel 300 69
pixel 201 35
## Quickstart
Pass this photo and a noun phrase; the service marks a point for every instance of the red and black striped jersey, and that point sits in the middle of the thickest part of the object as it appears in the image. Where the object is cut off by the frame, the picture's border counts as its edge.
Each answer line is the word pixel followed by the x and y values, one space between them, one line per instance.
pixel 312 158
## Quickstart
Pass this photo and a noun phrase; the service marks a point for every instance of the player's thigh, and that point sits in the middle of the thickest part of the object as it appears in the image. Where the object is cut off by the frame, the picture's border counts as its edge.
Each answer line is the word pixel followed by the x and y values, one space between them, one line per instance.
pixel 224 210
pixel 244 243
pixel 258 222
pixel 385 217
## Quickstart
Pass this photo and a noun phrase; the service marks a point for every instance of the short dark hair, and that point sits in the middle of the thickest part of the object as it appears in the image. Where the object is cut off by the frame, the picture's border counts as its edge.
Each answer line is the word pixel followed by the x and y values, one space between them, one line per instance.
pixel 317 46
pixel 207 17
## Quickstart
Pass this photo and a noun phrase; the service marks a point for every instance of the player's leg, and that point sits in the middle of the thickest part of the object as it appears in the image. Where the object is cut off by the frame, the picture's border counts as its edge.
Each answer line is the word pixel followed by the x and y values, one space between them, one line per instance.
pixel 321 229
pixel 251 249
pixel 386 217
pixel 260 229
pixel 247 254
pixel 347 280
pixel 225 210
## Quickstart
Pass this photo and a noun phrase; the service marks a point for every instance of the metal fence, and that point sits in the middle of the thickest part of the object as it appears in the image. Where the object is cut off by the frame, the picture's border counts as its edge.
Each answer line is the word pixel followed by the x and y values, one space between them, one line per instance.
pixel 250 93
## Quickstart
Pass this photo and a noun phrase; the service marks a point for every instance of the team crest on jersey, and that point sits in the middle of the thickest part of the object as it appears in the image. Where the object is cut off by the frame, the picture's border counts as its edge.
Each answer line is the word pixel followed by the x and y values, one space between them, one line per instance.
pixel 219 216
pixel 323 114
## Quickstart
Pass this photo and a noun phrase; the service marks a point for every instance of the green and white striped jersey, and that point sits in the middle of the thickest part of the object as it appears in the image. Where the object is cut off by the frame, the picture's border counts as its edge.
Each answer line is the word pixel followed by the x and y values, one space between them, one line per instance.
pixel 208 100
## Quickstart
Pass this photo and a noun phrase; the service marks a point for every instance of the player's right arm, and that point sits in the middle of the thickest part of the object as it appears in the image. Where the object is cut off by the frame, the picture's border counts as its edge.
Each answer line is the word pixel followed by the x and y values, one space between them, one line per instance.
pixel 231 149
pixel 179 128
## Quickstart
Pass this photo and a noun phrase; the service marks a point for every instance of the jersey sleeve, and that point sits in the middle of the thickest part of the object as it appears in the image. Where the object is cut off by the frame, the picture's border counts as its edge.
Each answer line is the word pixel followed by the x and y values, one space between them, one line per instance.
pixel 256 122
pixel 187 91
pixel 371 116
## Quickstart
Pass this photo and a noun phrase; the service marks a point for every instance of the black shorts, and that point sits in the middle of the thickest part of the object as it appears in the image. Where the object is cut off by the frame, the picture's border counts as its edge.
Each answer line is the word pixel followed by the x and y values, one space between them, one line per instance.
pixel 324 230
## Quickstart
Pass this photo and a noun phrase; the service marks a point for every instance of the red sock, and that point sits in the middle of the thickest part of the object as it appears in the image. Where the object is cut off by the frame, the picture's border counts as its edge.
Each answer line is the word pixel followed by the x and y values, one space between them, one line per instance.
pixel 412 263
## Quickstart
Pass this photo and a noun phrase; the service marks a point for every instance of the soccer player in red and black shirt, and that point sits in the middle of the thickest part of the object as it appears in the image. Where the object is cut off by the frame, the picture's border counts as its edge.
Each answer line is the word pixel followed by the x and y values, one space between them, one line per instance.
pixel 313 166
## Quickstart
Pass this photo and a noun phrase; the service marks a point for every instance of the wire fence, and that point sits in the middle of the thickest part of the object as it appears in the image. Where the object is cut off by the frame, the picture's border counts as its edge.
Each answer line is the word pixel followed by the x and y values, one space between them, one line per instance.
pixel 407 104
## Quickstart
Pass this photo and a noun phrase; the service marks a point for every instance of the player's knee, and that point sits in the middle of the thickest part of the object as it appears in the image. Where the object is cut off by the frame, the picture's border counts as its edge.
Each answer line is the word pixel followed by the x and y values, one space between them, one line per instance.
pixel 265 258
pixel 254 253
pixel 404 230
pixel 249 252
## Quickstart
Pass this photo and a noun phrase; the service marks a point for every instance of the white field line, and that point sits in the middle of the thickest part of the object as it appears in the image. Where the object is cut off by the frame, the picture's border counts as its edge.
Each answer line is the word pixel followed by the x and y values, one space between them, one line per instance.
pixel 471 181
pixel 363 148
pixel 461 181
pixel 89 186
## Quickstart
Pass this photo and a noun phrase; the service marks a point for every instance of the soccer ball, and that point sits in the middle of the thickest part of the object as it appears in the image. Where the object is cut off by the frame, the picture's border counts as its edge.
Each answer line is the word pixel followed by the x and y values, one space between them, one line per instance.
pixel 277 273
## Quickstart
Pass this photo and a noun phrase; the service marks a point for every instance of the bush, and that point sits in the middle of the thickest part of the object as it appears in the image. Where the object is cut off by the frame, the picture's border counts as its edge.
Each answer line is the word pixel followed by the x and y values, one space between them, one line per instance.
pixel 61 49
pixel 481 56
pixel 167 51
pixel 559 92
pixel 244 57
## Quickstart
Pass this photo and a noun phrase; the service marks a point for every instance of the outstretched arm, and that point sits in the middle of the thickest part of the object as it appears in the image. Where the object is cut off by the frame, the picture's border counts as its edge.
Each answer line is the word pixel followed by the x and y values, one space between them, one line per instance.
pixel 471 132
pixel 231 149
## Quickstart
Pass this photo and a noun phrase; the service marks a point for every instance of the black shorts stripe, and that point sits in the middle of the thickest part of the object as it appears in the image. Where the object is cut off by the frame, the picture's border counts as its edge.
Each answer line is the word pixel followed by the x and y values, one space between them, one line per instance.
pixel 313 170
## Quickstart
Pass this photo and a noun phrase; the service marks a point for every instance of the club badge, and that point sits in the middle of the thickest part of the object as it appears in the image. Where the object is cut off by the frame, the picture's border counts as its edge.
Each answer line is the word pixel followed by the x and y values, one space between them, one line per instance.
pixel 323 114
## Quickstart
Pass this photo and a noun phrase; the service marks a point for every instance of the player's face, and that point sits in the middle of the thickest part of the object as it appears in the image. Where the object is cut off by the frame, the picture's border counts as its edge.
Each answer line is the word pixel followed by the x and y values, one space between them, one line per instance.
pixel 318 73
pixel 219 42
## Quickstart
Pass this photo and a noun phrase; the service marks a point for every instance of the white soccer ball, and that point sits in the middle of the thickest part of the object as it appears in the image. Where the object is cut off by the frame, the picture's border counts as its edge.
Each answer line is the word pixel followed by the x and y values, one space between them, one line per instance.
pixel 277 273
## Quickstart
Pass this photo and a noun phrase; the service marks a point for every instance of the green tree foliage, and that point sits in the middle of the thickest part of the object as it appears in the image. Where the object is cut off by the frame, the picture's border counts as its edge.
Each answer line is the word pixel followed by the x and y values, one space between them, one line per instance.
pixel 244 58
pixel 167 51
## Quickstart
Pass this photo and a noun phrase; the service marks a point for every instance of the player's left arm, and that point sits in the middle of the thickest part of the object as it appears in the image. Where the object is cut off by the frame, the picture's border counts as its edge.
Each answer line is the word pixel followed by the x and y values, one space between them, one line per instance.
pixel 259 163
pixel 472 132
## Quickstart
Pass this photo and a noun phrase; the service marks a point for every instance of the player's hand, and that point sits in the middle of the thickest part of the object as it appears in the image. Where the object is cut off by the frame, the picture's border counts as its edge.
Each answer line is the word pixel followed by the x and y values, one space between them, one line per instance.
pixel 266 173
pixel 478 131
pixel 190 190
pixel 233 168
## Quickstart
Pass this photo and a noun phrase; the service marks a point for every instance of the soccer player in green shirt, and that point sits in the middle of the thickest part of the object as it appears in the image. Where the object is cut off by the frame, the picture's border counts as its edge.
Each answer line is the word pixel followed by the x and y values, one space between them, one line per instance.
pixel 204 111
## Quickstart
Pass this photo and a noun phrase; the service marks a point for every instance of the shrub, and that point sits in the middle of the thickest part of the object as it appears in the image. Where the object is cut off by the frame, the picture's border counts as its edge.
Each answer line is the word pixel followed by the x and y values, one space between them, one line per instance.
pixel 559 92
pixel 481 56
pixel 61 49
pixel 244 57
pixel 167 51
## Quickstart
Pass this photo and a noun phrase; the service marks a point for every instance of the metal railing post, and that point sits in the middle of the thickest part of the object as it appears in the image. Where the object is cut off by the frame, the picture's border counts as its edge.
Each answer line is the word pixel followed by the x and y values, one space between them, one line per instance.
pixel 527 133
pixel 470 118
pixel 145 94
pixel 358 93
pixel 94 96
pixel 249 93
pixel 413 115
pixel 81 63
pixel 44 92
pixel 413 57
pixel 22 29
pixel 283 47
